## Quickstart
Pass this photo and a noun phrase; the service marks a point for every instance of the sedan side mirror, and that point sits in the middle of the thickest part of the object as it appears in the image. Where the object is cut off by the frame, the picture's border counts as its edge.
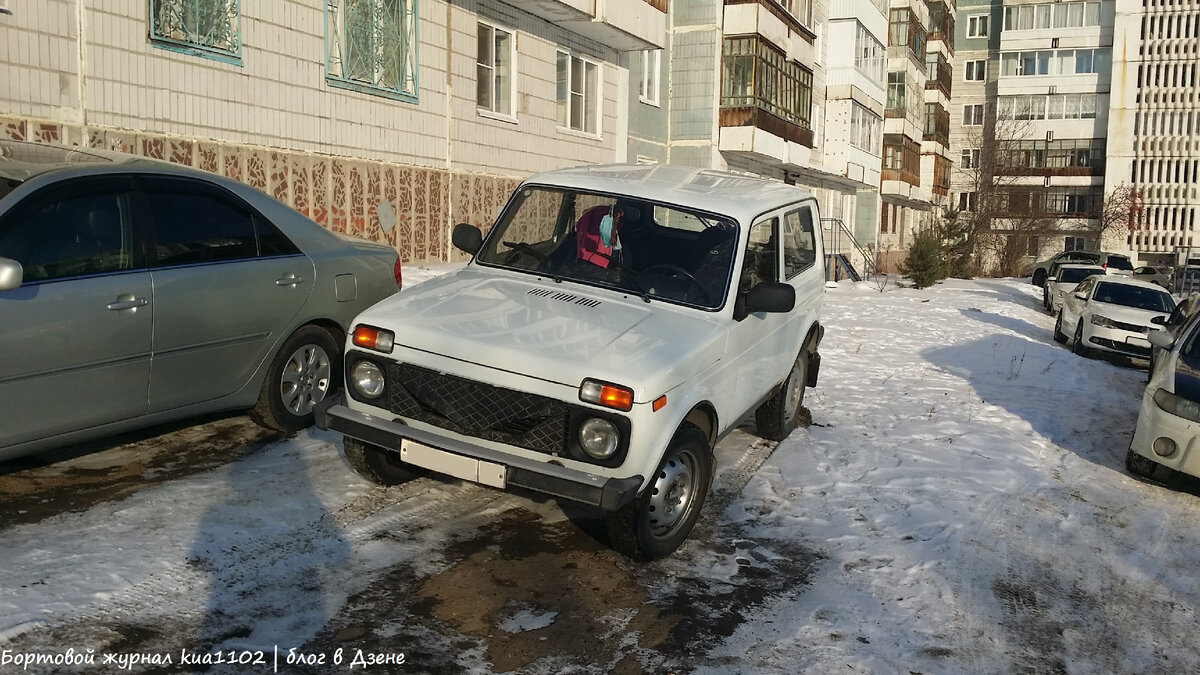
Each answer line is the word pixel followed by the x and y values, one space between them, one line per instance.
pixel 1081 295
pixel 1161 338
pixel 1159 320
pixel 467 238
pixel 11 274
pixel 1049 279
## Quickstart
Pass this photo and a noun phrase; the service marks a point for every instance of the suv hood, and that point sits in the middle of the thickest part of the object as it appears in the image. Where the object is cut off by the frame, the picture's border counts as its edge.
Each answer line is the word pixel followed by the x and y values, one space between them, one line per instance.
pixel 558 332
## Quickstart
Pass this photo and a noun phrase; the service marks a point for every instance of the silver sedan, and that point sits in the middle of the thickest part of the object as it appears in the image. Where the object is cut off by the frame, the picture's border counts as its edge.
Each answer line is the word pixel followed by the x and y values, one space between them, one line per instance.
pixel 135 292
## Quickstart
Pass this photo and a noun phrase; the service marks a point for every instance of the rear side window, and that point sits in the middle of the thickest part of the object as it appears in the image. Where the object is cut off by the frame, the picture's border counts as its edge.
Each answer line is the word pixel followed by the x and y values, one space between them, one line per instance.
pixel 799 242
pixel 71 229
pixel 194 223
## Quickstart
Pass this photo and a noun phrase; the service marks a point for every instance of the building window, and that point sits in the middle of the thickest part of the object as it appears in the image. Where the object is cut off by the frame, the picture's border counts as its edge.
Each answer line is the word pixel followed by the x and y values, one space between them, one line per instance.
pixel 895 91
pixel 578 93
pixel 967 201
pixel 976 71
pixel 494 69
pixel 870 56
pixel 865 129
pixel 1056 62
pixel 1075 244
pixel 977 26
pixel 1041 107
pixel 754 73
pixel 210 28
pixel 970 158
pixel 801 9
pixel 905 30
pixel 371 46
pixel 973 114
pixel 648 89
pixel 1056 15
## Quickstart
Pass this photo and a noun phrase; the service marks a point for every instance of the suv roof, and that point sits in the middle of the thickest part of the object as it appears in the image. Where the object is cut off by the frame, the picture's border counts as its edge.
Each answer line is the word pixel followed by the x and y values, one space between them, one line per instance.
pixel 720 192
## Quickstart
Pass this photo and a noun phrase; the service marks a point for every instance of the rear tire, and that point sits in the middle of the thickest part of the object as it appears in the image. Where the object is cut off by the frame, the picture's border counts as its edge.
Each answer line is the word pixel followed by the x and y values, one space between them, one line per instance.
pixel 659 520
pixel 377 465
pixel 778 415
pixel 306 369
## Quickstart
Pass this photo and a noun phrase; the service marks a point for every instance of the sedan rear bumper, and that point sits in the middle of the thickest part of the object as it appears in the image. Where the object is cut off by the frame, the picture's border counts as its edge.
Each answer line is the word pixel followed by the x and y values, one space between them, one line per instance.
pixel 473 462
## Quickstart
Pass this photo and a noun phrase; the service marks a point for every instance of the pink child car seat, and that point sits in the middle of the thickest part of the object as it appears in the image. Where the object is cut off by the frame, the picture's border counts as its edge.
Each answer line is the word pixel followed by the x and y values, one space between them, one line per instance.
pixel 588 242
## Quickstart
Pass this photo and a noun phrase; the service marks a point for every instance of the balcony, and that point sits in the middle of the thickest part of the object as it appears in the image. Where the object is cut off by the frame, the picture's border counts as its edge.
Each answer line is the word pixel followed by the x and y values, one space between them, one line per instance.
pixel 937 124
pixel 624 25
pixel 938 73
pixel 762 88
pixel 941 24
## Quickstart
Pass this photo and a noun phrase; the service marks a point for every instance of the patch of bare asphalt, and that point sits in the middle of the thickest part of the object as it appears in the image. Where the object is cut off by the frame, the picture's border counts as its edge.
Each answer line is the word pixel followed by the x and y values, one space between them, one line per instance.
pixel 533 596
pixel 77 477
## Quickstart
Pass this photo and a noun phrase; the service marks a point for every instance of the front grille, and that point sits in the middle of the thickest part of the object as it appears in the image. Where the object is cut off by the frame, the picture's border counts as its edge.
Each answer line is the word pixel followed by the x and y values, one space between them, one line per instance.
pixel 476 409
pixel 1131 327
pixel 1123 347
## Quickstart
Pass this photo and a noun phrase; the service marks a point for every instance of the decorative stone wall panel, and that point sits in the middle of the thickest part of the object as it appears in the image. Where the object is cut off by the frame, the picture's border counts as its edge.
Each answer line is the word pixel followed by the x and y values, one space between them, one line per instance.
pixel 340 194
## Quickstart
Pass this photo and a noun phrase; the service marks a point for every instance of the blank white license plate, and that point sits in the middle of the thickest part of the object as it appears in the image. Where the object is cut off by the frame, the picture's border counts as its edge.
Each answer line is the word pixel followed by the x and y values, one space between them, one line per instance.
pixel 466 468
pixel 1137 341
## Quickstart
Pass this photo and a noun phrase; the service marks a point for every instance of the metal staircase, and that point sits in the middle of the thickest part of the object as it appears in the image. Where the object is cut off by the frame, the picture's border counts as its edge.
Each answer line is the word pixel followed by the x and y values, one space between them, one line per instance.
pixel 842 251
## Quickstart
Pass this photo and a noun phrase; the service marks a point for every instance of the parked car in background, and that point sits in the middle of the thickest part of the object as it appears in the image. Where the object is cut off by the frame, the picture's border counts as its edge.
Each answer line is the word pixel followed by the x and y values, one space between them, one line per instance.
pixel 1160 276
pixel 1168 425
pixel 611 327
pixel 134 292
pixel 1063 279
pixel 1113 263
pixel 1112 314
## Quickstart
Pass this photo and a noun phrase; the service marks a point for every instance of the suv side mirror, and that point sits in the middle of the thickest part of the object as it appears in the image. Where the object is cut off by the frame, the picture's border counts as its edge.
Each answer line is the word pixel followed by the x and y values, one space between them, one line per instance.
pixel 467 238
pixel 1161 338
pixel 11 274
pixel 768 296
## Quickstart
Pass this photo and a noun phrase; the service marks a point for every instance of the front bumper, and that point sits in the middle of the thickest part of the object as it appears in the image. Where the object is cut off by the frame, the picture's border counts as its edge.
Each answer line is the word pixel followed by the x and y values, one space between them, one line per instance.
pixel 472 462
pixel 1154 422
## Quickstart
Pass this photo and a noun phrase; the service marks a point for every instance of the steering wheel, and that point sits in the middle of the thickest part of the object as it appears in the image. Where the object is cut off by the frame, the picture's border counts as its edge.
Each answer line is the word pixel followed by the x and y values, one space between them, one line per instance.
pixel 679 271
pixel 522 247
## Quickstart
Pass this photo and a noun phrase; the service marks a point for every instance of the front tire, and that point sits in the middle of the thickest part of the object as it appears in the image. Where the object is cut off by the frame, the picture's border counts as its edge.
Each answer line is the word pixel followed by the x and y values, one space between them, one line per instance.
pixel 305 370
pixel 658 522
pixel 1137 465
pixel 376 464
pixel 1077 346
pixel 778 415
pixel 1039 278
pixel 1059 336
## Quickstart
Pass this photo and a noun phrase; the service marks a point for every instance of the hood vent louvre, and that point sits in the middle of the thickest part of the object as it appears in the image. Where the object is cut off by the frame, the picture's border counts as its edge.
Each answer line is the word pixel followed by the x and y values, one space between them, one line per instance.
pixel 565 297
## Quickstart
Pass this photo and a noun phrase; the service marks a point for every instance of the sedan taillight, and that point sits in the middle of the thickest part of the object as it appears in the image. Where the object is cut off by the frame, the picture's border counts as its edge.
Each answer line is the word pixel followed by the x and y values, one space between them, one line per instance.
pixel 397 274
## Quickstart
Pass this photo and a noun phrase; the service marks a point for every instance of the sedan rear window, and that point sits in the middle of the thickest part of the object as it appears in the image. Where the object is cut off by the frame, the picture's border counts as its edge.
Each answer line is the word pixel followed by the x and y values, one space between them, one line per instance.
pixel 1119 262
pixel 1135 296
pixel 1074 275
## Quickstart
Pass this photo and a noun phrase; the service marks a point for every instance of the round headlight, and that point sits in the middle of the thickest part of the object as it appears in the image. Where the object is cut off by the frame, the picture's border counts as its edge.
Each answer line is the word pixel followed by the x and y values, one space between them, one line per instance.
pixel 367 379
pixel 598 438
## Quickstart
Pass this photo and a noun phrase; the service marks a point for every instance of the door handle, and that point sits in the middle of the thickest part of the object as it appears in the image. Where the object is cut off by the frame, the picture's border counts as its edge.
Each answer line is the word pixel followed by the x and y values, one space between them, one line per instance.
pixel 127 301
pixel 289 279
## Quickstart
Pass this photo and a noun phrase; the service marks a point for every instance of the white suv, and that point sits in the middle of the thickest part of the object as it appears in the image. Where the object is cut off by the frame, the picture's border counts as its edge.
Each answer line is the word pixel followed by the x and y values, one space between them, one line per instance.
pixel 612 326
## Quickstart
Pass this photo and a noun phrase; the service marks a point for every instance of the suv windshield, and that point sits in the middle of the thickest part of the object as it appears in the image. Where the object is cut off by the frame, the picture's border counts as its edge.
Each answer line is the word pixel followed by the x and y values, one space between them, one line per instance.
pixel 653 250
pixel 1135 296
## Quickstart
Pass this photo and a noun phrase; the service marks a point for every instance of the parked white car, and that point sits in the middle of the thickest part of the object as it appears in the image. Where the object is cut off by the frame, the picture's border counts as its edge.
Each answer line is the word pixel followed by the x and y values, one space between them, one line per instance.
pixel 1112 314
pixel 1168 426
pixel 613 325
pixel 1062 280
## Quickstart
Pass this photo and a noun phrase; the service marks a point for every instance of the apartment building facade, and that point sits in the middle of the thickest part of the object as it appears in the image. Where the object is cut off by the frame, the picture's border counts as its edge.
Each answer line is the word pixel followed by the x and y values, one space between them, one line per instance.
pixel 339 105
pixel 1153 142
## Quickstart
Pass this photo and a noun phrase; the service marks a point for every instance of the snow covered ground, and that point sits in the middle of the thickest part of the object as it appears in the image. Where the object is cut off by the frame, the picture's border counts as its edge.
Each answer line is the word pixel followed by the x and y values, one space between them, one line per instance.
pixel 962 488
